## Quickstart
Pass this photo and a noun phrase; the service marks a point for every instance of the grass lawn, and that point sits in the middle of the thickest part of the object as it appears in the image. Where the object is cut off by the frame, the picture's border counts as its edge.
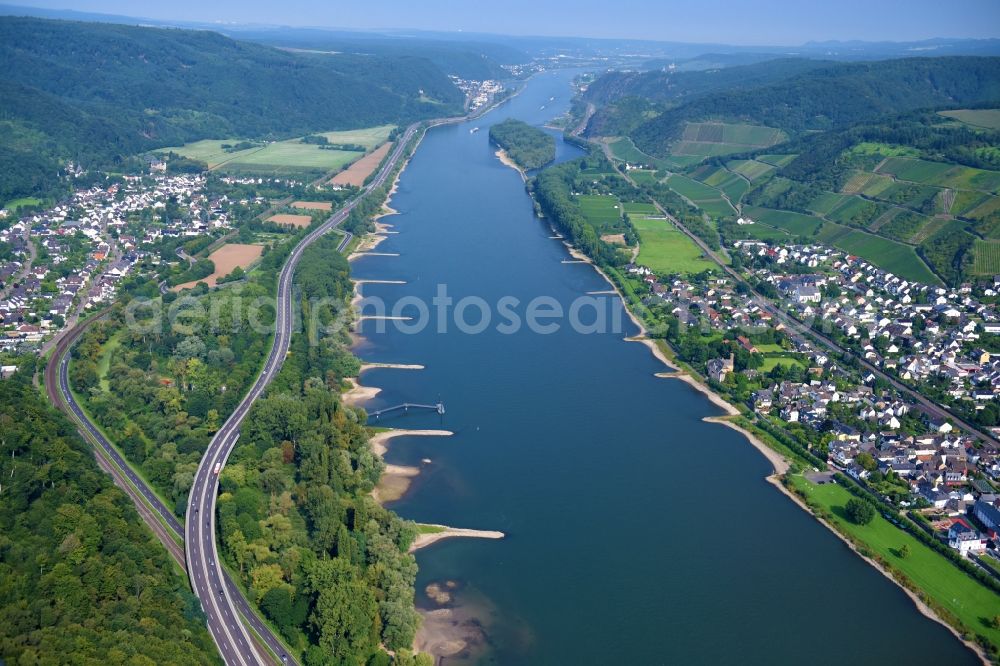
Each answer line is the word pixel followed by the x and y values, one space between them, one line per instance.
pixel 941 580
pixel 770 362
pixel 104 362
pixel 665 249
pixel 14 204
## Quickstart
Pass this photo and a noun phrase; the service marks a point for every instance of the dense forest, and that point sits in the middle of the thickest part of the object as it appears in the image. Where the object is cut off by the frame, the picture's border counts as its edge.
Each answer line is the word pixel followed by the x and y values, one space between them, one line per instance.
pixel 819 98
pixel 529 147
pixel 80 575
pixel 96 93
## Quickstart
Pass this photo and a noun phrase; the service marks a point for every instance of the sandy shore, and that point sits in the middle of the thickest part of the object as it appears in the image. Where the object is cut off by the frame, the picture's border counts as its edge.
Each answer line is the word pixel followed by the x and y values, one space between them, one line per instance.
pixel 394 366
pixel 424 540
pixel 924 609
pixel 358 394
pixel 505 159
pixel 778 461
pixel 396 479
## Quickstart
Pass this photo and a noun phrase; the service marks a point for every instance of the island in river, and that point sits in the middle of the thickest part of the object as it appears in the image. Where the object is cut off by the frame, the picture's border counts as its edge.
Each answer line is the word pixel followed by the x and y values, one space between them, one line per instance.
pixel 526 146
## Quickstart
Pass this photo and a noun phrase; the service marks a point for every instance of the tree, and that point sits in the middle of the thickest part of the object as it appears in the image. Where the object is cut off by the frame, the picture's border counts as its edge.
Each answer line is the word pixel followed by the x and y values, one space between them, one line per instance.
pixel 860 511
pixel 904 551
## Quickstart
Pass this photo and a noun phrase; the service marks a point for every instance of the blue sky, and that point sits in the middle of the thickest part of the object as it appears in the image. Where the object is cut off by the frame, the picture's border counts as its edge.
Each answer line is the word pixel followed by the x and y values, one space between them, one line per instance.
pixel 778 22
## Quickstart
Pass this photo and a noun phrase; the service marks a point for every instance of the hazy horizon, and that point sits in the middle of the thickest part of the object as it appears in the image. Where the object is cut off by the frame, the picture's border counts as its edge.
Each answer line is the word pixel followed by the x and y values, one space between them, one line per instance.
pixel 752 23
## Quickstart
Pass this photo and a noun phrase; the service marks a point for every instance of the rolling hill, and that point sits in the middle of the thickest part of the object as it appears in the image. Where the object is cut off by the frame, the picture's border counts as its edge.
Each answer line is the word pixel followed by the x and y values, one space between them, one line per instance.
pixel 97 93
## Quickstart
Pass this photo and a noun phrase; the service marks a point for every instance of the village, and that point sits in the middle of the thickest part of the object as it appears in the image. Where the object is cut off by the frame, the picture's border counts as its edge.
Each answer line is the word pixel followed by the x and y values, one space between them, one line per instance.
pixel 942 342
pixel 70 259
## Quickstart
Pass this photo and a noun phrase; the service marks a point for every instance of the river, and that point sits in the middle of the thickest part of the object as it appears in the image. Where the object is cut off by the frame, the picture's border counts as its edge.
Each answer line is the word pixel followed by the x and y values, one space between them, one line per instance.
pixel 636 532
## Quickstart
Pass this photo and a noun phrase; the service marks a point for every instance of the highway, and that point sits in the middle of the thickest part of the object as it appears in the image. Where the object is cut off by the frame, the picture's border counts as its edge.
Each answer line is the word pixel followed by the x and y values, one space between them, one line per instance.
pixel 203 566
pixel 154 513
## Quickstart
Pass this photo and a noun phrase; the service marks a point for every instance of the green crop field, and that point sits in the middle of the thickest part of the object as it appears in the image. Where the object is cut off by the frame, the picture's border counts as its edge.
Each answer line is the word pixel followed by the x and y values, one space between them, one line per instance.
pixel 705 197
pixel 970 601
pixel 277 157
pixel 369 137
pixel 897 258
pixel 826 203
pixel 638 208
pixel 986 258
pixel 777 160
pixel 623 149
pixel 967 200
pixel 942 175
pixel 988 206
pixel 664 249
pixel 714 139
pixel 284 157
pixel 642 176
pixel 985 118
pixel 751 169
pixel 602 211
pixel 794 223
pixel 858 212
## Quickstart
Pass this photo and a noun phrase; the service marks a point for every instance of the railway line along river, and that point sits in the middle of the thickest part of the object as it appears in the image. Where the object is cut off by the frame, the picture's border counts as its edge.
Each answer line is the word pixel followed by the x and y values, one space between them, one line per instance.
pixel 636 533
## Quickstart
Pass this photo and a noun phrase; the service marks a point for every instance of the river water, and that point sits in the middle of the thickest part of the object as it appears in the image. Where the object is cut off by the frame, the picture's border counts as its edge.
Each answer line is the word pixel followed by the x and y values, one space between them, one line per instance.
pixel 636 532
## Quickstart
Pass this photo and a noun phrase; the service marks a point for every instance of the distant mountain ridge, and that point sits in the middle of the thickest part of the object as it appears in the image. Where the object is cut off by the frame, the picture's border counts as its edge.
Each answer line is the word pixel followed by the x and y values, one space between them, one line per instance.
pixel 99 92
pixel 794 95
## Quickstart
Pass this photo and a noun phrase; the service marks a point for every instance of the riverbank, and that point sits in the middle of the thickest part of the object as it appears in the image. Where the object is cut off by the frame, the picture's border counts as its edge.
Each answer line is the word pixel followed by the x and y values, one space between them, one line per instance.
pixel 396 479
pixel 921 606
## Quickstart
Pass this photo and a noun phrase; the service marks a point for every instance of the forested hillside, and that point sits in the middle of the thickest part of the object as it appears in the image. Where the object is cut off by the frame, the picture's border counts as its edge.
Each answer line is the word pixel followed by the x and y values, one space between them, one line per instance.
pixel 822 98
pixel 96 93
pixel 81 578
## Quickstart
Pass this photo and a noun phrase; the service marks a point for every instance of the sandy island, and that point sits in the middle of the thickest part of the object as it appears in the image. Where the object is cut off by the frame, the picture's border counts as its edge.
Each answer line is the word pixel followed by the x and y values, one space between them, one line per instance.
pixel 506 160
pixel 425 539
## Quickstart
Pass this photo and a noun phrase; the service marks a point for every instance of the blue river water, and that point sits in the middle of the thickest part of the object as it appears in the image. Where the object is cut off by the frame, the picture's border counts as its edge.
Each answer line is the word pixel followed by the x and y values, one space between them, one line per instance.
pixel 636 532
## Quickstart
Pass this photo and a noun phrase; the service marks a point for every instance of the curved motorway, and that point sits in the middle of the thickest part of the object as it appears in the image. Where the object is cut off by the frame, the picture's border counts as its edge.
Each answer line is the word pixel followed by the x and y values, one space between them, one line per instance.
pixel 205 571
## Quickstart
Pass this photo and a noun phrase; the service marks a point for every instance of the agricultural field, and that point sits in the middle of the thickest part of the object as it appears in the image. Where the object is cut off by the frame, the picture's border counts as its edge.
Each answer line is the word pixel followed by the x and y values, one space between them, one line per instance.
pixel 369 137
pixel 714 139
pixel 14 204
pixel 827 202
pixel 941 174
pixel 227 258
pixel 770 362
pixel 642 176
pixel 623 149
pixel 601 210
pixel 707 198
pixel 752 170
pixel 358 172
pixel 283 157
pixel 297 221
pixel 889 255
pixel 776 160
pixel 796 224
pixel 984 118
pixel 665 249
pixel 633 208
pixel 730 184
pixel 857 212
pixel 986 258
